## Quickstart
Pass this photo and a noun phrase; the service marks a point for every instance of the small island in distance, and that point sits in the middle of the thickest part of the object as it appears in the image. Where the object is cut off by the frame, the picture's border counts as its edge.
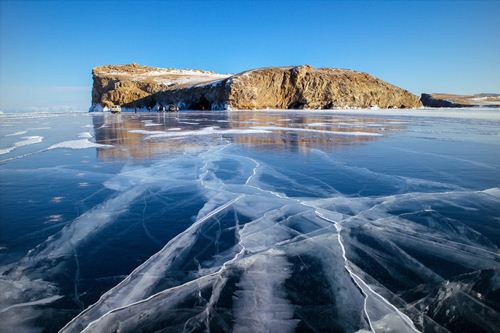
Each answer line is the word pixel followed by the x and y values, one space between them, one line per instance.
pixel 138 87
pixel 461 101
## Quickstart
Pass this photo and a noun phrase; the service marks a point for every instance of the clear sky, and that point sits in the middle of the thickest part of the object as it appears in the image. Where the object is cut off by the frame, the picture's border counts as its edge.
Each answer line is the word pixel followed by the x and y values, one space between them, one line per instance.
pixel 49 48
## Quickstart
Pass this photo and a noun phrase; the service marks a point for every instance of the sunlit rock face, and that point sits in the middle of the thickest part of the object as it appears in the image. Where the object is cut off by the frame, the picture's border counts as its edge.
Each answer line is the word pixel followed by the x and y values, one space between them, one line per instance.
pixel 314 88
pixel 134 85
pixel 300 87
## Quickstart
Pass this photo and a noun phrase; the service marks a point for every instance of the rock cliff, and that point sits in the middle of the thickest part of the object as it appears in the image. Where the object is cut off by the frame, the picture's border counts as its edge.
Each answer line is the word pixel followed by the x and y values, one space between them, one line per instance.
pixel 277 88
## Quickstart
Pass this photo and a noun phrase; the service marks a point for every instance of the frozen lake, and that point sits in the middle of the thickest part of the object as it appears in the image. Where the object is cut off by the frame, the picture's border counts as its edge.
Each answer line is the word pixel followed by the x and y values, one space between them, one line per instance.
pixel 265 221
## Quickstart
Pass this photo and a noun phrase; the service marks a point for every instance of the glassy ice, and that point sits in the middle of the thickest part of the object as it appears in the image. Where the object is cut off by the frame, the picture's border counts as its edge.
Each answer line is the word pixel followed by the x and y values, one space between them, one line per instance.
pixel 352 221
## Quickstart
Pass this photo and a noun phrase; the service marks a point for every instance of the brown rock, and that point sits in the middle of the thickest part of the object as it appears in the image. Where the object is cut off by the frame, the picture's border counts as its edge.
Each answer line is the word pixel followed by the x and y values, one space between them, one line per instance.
pixel 278 88
pixel 321 88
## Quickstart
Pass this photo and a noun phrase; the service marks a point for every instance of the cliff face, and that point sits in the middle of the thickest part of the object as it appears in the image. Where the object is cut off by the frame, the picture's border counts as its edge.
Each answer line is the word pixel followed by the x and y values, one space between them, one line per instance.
pixel 135 85
pixel 460 101
pixel 278 88
pixel 314 88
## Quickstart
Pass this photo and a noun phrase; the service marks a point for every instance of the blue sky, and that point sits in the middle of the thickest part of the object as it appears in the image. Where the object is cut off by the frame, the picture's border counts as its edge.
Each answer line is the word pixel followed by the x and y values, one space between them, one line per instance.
pixel 47 49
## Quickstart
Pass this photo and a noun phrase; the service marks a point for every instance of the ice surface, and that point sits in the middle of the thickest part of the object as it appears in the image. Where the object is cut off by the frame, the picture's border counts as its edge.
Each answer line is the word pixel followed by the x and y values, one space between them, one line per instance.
pixel 248 227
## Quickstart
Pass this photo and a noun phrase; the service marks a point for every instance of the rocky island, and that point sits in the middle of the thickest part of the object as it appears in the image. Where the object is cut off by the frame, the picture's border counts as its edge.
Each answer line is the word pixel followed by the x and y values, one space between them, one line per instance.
pixel 300 87
pixel 460 101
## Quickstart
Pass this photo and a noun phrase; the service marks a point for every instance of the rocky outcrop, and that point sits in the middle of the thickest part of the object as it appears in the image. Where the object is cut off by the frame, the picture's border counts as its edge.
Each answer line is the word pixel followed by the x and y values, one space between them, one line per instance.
pixel 460 101
pixel 315 88
pixel 300 87
pixel 135 85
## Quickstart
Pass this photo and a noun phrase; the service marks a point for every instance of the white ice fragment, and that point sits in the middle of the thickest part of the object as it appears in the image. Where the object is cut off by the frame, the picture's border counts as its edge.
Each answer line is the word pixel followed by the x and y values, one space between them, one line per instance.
pixel 56 199
pixel 86 135
pixel 17 133
pixel 146 132
pixel 295 129
pixel 78 144
pixel 55 218
pixel 207 131
pixel 27 140
pixel 495 191
pixel 318 124
pixel 6 150
pixel 42 301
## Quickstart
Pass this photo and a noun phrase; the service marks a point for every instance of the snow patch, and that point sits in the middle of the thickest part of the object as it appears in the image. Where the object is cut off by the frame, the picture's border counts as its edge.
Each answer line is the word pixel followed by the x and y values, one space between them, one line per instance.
pixel 27 140
pixel 86 135
pixel 146 132
pixel 78 144
pixel 17 133
pixel 294 129
pixel 206 131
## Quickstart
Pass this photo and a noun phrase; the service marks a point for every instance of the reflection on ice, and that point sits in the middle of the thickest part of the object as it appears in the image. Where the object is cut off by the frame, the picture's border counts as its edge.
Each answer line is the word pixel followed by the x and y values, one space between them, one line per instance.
pixel 173 133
